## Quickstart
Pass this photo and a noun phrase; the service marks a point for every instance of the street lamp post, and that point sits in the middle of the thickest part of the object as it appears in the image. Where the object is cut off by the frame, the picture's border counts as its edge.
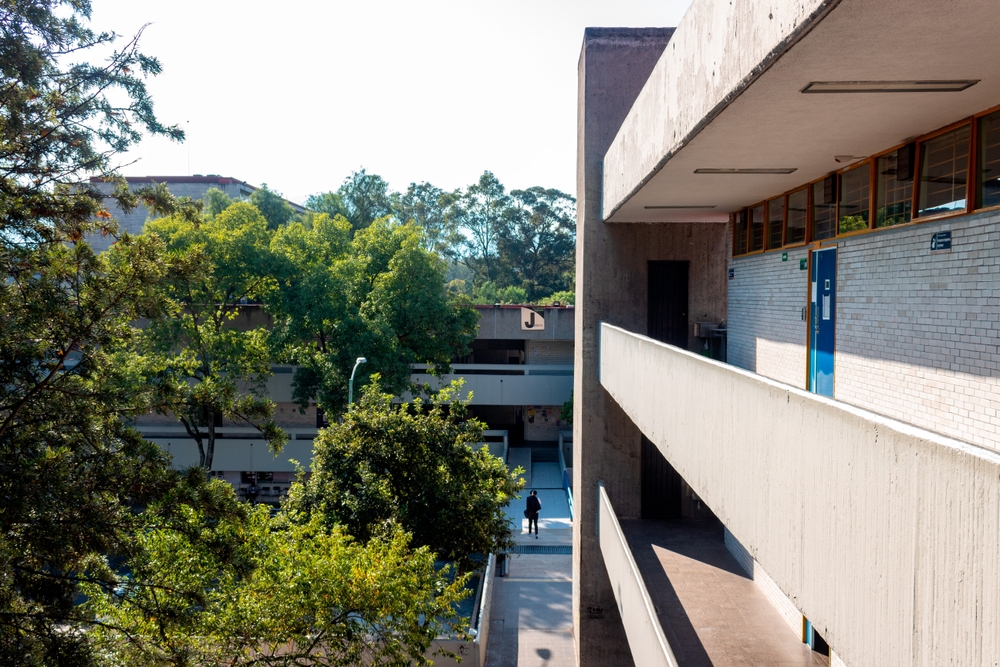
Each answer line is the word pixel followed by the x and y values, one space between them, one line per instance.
pixel 350 384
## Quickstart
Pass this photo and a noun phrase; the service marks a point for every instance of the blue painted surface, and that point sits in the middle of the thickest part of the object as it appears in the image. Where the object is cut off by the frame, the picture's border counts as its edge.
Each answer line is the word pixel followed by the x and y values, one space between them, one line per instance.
pixel 823 321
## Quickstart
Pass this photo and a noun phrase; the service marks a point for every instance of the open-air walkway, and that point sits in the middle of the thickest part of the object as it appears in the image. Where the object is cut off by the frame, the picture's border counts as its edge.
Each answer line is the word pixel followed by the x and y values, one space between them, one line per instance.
pixel 712 613
pixel 532 617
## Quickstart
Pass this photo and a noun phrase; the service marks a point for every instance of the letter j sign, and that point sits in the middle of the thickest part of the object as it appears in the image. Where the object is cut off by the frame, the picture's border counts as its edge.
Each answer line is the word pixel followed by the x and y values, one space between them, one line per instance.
pixel 531 321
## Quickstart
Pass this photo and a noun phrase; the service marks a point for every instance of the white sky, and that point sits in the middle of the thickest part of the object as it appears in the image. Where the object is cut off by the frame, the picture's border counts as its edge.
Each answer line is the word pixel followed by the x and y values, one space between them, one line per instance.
pixel 297 94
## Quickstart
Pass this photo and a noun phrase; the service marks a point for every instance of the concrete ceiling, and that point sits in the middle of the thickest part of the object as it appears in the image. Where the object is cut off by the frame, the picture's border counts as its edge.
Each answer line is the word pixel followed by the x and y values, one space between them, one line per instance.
pixel 772 124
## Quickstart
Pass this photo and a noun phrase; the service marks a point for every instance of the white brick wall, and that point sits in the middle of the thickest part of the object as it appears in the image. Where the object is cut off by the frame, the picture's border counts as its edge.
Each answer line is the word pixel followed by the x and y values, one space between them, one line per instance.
pixel 766 331
pixel 916 331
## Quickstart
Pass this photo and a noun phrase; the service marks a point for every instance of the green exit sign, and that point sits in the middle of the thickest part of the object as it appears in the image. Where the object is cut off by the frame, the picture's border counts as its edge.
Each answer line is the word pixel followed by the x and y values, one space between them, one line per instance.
pixel 802 264
pixel 784 257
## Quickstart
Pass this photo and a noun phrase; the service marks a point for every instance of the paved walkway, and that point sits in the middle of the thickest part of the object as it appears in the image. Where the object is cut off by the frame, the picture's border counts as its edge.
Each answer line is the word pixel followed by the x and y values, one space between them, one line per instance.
pixel 712 614
pixel 532 616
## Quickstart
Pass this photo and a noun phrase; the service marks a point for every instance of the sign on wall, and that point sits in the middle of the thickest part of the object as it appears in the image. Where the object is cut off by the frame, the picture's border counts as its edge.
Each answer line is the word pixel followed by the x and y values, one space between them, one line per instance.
pixel 531 321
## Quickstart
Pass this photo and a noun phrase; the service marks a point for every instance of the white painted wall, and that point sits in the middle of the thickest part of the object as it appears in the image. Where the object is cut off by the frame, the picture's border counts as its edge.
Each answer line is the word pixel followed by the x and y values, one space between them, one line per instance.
pixel 886 536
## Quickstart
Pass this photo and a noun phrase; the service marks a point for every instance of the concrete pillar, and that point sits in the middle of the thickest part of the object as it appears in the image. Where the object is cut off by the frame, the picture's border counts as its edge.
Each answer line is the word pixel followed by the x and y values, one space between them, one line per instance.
pixel 611 283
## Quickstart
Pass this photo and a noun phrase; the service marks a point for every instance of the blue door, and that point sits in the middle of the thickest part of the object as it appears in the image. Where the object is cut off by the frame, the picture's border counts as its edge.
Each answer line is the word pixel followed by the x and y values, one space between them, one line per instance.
pixel 823 318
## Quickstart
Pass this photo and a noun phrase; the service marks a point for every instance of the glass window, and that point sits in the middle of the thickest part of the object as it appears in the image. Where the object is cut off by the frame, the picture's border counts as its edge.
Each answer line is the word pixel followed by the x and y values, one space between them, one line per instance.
pixel 740 233
pixel 944 169
pixel 775 222
pixel 855 186
pixel 824 209
pixel 989 161
pixel 757 228
pixel 895 189
pixel 798 203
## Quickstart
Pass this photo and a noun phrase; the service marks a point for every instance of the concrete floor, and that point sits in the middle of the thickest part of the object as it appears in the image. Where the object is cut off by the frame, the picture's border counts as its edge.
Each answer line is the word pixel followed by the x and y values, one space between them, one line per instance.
pixel 532 617
pixel 712 614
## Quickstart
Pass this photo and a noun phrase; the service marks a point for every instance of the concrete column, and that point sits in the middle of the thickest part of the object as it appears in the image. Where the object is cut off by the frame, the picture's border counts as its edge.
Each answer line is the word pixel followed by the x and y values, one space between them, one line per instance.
pixel 611 283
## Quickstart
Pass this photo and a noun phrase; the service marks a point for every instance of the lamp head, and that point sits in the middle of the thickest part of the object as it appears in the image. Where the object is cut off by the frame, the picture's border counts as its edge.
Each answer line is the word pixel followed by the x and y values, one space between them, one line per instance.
pixel 361 360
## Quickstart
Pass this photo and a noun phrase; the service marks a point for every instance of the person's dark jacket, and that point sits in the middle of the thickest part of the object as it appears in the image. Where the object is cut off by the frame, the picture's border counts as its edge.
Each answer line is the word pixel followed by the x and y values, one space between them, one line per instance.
pixel 534 507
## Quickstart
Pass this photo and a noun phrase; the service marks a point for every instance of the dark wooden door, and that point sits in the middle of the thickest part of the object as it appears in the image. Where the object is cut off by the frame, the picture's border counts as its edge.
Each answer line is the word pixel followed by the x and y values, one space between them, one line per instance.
pixel 661 485
pixel 668 302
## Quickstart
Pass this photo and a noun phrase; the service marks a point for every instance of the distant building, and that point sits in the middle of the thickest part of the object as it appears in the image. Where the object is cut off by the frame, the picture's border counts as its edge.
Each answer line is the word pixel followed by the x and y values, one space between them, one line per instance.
pixel 194 187
pixel 520 371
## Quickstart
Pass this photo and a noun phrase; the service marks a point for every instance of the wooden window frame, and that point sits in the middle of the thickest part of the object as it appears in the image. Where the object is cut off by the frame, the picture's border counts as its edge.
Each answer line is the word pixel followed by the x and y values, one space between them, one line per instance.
pixel 971 199
pixel 871 192
pixel 919 164
pixel 975 160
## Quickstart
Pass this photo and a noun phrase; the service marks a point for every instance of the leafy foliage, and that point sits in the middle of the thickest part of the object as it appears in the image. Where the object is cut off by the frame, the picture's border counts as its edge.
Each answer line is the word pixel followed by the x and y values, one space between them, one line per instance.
pixel 240 588
pixel 201 366
pixel 413 466
pixel 361 199
pixel 492 239
pixel 378 294
pixel 272 206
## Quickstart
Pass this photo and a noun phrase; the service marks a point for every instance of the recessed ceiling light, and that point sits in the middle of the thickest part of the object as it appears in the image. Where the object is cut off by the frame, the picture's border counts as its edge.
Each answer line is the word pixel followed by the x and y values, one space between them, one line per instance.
pixel 648 208
pixel 780 170
pixel 889 86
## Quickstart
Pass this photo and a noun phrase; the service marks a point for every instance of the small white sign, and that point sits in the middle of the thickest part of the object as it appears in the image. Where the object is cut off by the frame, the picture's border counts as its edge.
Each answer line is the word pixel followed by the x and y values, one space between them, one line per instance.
pixel 531 321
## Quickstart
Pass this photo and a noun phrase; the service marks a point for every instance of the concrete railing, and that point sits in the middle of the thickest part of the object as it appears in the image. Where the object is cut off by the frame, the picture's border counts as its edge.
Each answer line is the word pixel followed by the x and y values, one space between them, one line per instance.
pixel 471 653
pixel 505 384
pixel 886 536
pixel 236 448
pixel 645 635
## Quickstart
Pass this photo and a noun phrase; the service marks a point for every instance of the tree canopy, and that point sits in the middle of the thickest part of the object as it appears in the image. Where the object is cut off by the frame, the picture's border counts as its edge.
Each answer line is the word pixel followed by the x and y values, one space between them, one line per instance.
pixel 415 466
pixel 517 244
pixel 377 293
pixel 201 367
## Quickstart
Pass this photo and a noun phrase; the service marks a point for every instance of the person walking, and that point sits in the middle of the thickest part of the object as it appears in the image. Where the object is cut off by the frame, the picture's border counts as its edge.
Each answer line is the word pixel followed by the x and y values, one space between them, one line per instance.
pixel 254 490
pixel 534 506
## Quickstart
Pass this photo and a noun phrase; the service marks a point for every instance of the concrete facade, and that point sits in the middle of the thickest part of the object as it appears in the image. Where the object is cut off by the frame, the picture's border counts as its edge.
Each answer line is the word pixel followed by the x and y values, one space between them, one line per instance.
pixel 886 536
pixel 612 284
pixel 869 519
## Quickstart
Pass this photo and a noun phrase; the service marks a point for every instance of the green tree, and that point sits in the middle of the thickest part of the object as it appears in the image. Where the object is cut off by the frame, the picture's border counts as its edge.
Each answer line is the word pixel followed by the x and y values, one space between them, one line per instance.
pixel 483 212
pixel 239 588
pixel 200 365
pixel 215 202
pixel 73 471
pixel 272 206
pixel 434 210
pixel 412 465
pixel 379 295
pixel 538 241
pixel 361 199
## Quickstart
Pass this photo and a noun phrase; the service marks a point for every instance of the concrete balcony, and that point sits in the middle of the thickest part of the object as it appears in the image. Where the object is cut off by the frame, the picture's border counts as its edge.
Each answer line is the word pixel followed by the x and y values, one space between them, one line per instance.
pixel 507 384
pixel 885 536
pixel 237 448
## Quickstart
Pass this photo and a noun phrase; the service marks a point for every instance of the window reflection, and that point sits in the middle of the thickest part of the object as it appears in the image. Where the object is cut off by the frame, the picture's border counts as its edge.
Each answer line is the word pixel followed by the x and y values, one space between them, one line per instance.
pixel 894 184
pixel 824 209
pixel 798 202
pixel 757 229
pixel 989 160
pixel 775 222
pixel 944 168
pixel 855 186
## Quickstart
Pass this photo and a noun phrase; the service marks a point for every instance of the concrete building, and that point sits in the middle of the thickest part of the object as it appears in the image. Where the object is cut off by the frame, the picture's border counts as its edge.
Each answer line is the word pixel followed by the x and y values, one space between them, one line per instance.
pixel 194 187
pixel 520 372
pixel 816 183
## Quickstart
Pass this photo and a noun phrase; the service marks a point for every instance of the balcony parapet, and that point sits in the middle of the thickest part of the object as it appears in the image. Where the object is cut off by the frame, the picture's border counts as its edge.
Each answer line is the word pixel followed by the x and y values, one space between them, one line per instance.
pixel 642 627
pixel 886 536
